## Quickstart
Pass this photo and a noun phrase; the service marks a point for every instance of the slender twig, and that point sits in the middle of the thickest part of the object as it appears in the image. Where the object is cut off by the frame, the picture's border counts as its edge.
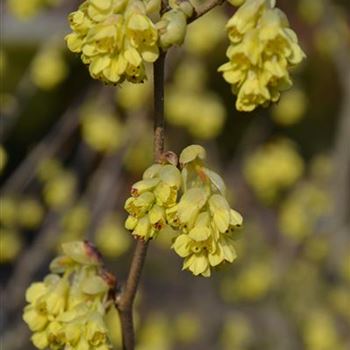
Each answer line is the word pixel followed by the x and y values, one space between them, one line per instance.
pixel 52 142
pixel 125 301
pixel 107 178
pixel 203 9
pixel 159 107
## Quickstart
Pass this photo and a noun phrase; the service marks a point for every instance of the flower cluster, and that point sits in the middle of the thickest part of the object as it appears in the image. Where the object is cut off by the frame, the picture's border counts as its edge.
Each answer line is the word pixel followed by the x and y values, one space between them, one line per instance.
pixel 151 199
pixel 204 217
pixel 66 310
pixel 262 49
pixel 115 38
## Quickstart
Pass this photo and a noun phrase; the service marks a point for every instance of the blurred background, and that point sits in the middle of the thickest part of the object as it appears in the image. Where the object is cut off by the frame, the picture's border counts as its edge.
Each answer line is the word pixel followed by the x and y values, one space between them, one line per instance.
pixel 71 148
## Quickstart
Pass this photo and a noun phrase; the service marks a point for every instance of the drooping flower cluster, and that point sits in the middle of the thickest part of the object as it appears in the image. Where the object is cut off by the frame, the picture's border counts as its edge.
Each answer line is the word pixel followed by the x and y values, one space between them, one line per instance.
pixel 262 49
pixel 204 217
pixel 115 38
pixel 151 198
pixel 66 310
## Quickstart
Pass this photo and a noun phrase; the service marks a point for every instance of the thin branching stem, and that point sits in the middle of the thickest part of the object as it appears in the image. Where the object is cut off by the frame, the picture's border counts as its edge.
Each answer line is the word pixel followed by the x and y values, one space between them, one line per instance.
pixel 126 300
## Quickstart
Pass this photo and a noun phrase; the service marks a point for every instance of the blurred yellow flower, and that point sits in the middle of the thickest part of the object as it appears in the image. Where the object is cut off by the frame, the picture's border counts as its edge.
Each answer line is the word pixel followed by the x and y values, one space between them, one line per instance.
pixel 111 237
pixel 250 284
pixel 48 68
pixel 101 129
pixel 272 168
pixel 237 333
pixel 320 332
pixel 187 327
pixel 291 107
pixel 206 33
pixel 23 10
pixel 308 203
pixel 30 213
pixel 59 191
pixel 11 245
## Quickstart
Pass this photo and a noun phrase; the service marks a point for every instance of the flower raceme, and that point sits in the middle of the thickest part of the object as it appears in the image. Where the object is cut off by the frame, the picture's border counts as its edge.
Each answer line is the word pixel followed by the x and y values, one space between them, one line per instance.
pixel 66 310
pixel 205 224
pixel 262 49
pixel 116 37
pixel 151 198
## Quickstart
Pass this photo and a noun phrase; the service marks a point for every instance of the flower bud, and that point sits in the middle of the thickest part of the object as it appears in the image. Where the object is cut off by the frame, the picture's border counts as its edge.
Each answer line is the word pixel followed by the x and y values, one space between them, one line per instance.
pixel 82 252
pixel 191 153
pixel 172 28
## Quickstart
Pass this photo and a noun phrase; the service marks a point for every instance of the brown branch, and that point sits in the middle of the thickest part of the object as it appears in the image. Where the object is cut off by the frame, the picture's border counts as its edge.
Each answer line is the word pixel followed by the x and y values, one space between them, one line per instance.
pixel 107 179
pixel 202 10
pixel 125 301
pixel 47 148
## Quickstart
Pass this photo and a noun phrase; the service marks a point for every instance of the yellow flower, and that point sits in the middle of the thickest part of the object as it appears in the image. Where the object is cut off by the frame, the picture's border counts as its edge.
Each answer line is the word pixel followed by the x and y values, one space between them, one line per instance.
pixel 115 38
pixel 96 329
pixel 190 204
pixel 204 217
pixel 40 340
pixel 55 300
pixel 35 291
pixel 66 310
pixel 150 198
pixel 244 19
pixel 138 206
pixel 35 319
pixel 143 36
pixel 262 50
pixel 55 335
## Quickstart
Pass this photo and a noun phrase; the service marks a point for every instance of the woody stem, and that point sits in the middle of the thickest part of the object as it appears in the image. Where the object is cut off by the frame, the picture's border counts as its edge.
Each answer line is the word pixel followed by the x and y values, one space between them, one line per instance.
pixel 125 301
